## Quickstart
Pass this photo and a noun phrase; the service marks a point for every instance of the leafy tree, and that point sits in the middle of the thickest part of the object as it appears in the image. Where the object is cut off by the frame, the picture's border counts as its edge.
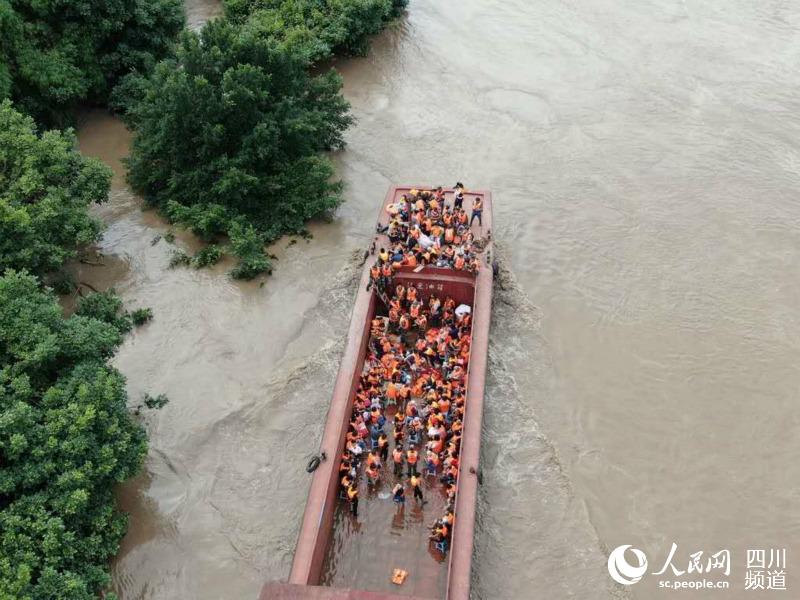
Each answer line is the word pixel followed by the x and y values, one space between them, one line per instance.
pixel 66 438
pixel 320 27
pixel 231 131
pixel 54 54
pixel 46 187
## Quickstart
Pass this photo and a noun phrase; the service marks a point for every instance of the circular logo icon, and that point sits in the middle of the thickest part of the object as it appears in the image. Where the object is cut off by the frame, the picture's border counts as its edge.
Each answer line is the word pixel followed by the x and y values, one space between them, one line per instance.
pixel 621 570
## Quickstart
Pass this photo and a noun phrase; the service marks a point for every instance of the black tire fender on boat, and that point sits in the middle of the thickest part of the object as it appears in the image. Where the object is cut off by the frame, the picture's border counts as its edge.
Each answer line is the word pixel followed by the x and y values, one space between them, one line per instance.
pixel 314 463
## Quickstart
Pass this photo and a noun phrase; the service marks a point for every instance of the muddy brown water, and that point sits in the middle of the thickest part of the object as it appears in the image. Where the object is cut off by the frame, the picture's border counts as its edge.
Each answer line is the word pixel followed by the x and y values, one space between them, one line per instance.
pixel 644 365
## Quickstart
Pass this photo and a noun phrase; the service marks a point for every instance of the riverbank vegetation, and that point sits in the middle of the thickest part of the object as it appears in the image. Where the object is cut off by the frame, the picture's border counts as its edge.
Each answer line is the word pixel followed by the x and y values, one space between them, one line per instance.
pixel 231 129
pixel 67 436
pixel 231 132
pixel 66 439
pixel 46 188
pixel 56 55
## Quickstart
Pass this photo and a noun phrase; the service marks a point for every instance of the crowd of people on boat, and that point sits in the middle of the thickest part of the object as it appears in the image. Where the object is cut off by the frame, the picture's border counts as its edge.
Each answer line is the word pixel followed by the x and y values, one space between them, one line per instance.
pixel 425 228
pixel 407 416
pixel 412 385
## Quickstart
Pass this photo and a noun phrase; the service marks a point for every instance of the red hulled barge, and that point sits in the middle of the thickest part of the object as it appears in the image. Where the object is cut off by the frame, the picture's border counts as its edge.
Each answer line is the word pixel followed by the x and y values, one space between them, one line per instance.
pixel 391 508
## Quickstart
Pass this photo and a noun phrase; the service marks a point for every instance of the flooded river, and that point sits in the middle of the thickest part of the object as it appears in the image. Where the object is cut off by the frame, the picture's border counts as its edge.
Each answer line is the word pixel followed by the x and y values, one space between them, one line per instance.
pixel 645 363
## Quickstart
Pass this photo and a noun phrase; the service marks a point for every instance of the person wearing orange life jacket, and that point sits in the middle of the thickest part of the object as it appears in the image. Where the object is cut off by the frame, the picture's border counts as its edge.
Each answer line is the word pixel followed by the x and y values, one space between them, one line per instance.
pixel 391 392
pixel 352 495
pixel 374 277
pixel 394 318
pixel 414 310
pixel 439 531
pixel 405 324
pixel 373 459
pixel 404 393
pixel 377 327
pixel 397 458
pixel 411 459
pixel 451 491
pixel 383 447
pixel 411 294
pixel 459 262
pixel 432 460
pixel 411 408
pixel 416 485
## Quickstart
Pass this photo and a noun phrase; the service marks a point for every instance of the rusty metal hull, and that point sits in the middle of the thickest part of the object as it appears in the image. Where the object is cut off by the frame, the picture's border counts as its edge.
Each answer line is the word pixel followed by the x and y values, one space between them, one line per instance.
pixel 316 528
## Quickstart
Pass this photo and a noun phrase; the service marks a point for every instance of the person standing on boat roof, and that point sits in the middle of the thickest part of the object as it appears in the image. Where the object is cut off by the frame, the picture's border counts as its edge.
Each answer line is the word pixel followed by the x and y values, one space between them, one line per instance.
pixel 477 211
pixel 459 196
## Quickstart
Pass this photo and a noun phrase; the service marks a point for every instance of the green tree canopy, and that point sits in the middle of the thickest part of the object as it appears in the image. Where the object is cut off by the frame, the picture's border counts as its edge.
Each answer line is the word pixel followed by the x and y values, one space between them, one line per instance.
pixel 46 187
pixel 231 131
pixel 54 54
pixel 319 28
pixel 66 438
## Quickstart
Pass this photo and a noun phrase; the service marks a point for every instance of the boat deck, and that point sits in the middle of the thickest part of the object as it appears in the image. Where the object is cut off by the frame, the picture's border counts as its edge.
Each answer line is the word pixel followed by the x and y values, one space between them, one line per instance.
pixel 364 551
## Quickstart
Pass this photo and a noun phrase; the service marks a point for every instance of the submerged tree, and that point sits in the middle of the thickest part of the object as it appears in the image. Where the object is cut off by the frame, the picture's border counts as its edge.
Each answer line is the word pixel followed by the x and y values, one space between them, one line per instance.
pixel 46 187
pixel 319 28
pixel 229 135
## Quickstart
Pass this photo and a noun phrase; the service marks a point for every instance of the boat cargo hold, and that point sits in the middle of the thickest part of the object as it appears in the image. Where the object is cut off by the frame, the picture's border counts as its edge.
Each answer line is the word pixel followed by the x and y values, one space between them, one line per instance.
pixel 405 417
